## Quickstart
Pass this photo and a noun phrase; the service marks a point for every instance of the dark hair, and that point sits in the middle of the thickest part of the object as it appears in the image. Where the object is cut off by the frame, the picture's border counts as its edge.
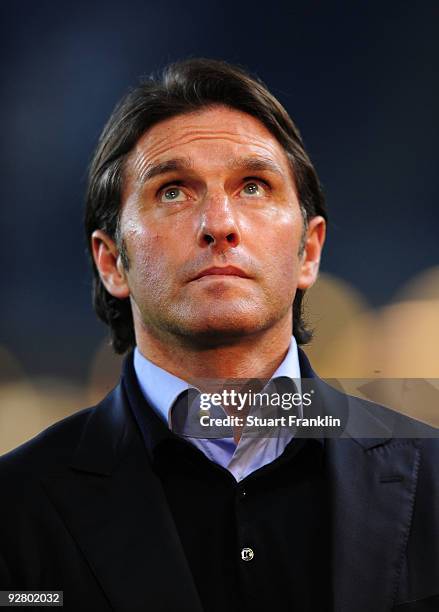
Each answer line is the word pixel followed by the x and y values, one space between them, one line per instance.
pixel 184 87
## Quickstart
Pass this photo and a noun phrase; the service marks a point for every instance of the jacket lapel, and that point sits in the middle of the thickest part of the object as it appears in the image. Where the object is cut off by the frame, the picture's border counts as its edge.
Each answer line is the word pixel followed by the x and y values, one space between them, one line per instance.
pixel 372 485
pixel 115 508
pixel 372 498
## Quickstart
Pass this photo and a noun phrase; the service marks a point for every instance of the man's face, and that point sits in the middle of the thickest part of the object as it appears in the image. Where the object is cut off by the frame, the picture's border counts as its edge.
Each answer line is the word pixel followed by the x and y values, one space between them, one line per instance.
pixel 212 228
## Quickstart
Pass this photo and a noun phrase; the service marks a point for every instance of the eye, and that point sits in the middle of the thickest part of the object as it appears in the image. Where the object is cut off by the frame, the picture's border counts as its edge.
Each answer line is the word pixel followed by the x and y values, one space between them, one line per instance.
pixel 173 194
pixel 253 190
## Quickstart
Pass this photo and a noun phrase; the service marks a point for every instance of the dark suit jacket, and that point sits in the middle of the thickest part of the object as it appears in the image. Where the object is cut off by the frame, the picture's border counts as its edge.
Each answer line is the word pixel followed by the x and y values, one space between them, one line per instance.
pixel 83 511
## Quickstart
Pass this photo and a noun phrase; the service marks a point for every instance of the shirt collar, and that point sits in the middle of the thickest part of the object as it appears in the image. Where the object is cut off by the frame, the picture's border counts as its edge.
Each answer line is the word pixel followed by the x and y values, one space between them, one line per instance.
pixel 161 388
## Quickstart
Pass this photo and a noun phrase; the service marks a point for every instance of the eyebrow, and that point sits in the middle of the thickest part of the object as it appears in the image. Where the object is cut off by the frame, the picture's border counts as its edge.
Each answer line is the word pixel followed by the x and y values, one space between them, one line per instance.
pixel 171 165
pixel 255 164
pixel 247 164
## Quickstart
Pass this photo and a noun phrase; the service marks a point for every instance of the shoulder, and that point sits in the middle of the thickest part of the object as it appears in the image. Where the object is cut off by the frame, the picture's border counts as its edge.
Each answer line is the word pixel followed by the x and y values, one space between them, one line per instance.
pixel 403 430
pixel 50 449
pixel 368 416
pixel 91 437
pixel 400 424
pixel 372 424
pixel 364 419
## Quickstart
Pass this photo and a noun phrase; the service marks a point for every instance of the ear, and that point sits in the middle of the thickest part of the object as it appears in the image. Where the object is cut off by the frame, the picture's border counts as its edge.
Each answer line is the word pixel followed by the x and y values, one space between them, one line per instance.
pixel 109 264
pixel 310 260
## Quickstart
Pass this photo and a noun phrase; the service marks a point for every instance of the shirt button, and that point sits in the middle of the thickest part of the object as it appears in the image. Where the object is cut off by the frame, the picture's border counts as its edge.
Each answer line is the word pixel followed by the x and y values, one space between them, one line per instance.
pixel 247 554
pixel 243 493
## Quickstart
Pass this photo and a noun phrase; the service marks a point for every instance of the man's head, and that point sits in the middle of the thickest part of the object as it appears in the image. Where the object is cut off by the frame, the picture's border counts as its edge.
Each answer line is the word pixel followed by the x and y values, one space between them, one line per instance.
pixel 203 169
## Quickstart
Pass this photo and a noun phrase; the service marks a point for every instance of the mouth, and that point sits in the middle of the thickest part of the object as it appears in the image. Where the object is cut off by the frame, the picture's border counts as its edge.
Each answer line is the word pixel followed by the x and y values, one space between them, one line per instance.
pixel 221 271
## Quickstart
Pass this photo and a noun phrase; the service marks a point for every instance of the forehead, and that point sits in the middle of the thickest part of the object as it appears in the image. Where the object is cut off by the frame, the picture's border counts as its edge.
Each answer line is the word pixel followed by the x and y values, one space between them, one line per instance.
pixel 210 137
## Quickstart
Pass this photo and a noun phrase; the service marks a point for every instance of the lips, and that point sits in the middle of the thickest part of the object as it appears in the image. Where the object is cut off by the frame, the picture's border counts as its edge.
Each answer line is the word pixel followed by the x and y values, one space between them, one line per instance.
pixel 221 271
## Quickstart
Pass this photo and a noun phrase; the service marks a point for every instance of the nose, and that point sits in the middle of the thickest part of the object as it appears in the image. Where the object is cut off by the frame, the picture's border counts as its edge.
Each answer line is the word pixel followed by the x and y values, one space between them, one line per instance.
pixel 219 227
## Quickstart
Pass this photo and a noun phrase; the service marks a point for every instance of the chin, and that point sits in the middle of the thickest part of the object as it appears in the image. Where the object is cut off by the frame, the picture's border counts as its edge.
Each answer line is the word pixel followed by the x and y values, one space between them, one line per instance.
pixel 214 329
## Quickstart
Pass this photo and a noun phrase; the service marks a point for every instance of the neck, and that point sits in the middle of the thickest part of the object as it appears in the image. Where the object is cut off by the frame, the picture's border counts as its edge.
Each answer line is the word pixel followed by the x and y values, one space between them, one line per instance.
pixel 256 355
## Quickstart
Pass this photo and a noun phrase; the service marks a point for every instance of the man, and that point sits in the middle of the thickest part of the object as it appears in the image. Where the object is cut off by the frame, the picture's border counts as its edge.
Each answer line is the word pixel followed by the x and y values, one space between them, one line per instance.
pixel 206 222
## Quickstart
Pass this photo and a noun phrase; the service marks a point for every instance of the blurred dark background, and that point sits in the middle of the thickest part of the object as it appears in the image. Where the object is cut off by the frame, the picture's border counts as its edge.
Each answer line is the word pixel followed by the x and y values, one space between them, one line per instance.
pixel 360 79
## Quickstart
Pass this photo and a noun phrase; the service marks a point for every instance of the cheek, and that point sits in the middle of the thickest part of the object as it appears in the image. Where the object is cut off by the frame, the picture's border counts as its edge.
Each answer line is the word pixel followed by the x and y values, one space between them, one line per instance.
pixel 149 266
pixel 279 245
pixel 285 269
